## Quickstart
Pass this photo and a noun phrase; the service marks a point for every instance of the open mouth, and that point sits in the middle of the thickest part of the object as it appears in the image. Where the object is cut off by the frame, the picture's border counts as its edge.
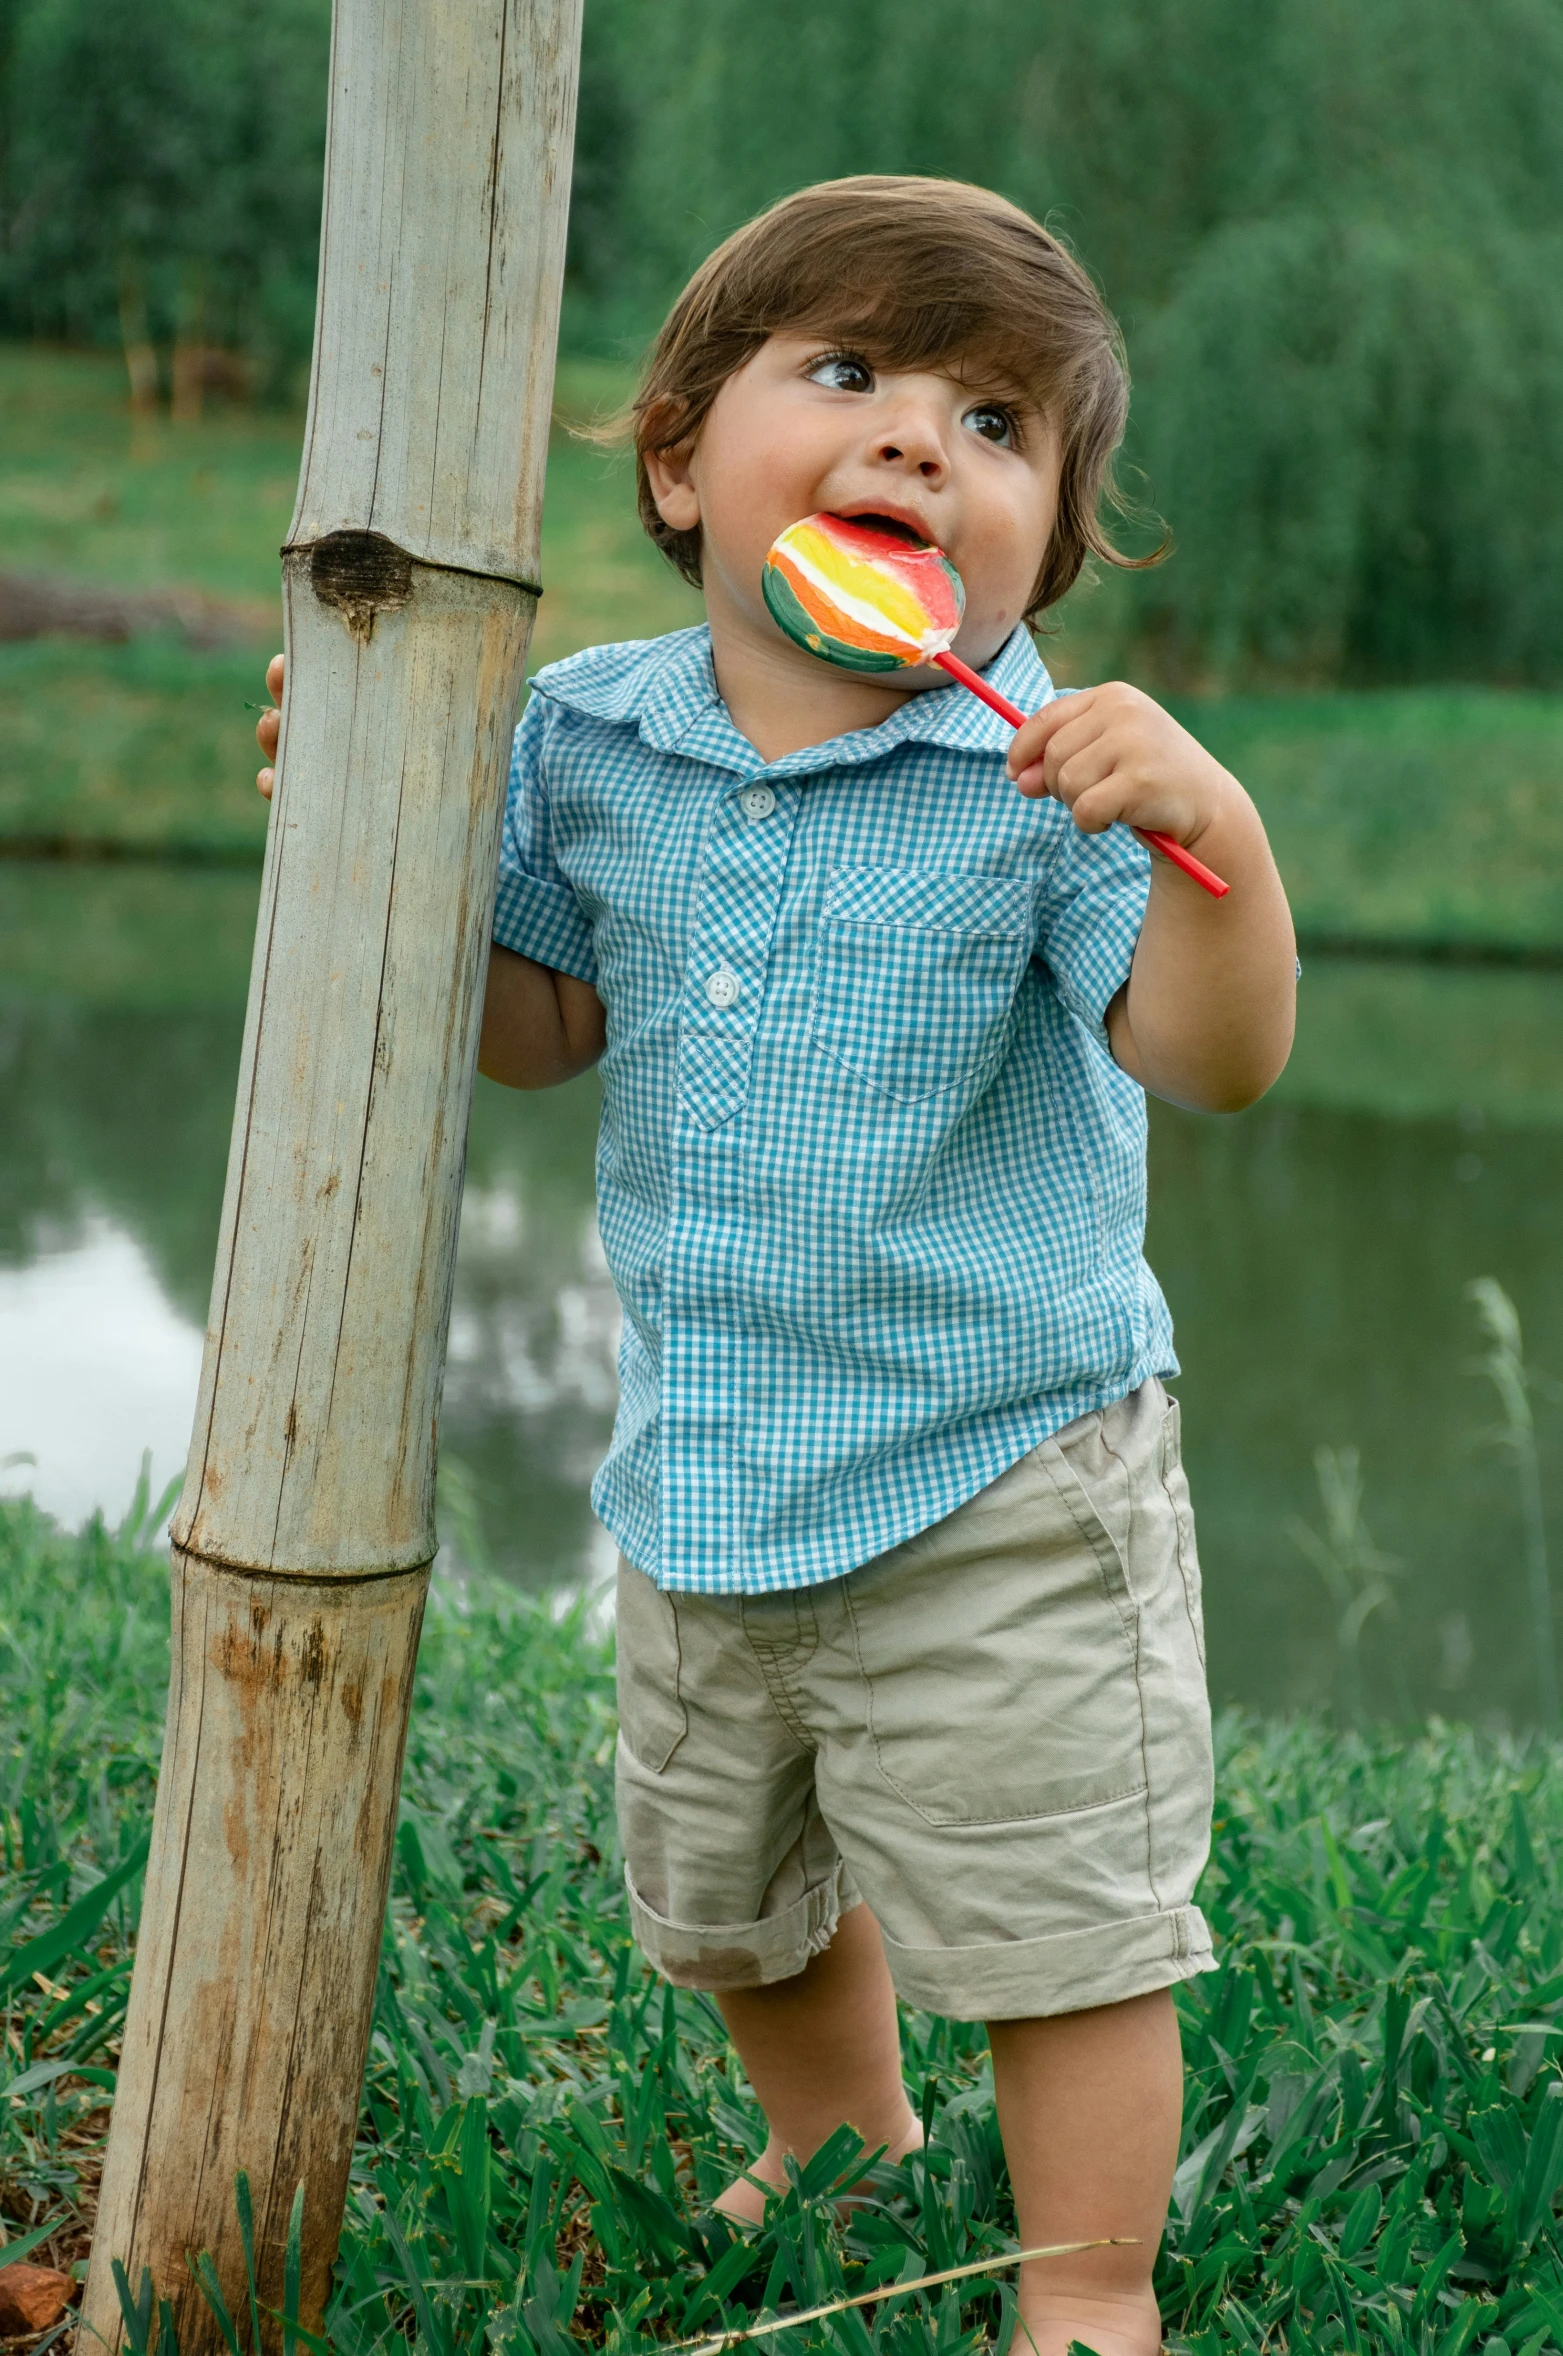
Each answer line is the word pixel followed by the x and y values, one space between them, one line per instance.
pixel 892 526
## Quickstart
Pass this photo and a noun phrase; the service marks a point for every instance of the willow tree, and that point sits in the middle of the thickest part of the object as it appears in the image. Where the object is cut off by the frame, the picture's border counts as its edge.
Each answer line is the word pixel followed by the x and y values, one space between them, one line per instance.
pixel 303 1539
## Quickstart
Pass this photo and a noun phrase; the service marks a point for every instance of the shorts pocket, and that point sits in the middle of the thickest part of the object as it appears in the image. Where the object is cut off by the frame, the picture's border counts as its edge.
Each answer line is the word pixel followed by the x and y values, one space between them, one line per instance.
pixel 998 1652
pixel 915 976
pixel 652 1718
pixel 1175 1481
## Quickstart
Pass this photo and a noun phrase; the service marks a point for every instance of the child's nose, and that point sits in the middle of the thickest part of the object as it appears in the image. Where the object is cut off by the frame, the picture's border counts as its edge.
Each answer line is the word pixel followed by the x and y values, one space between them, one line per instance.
pixel 923 451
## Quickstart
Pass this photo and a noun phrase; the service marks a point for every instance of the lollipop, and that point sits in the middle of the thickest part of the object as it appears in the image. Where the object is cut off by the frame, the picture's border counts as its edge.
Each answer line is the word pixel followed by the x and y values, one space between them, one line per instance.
pixel 860 595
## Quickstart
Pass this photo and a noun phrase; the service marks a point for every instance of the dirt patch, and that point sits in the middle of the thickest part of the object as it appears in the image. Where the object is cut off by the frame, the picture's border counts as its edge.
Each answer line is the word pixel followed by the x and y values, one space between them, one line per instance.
pixel 35 606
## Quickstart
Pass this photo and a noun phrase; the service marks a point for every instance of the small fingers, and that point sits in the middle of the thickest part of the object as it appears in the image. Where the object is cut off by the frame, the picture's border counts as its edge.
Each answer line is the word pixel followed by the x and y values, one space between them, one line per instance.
pixel 1044 773
pixel 1033 736
pixel 1082 769
pixel 267 729
pixel 1098 806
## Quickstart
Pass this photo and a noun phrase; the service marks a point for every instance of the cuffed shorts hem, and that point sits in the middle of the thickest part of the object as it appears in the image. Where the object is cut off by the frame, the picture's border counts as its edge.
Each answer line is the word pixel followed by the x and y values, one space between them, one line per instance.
pixel 1069 1971
pixel 716 1956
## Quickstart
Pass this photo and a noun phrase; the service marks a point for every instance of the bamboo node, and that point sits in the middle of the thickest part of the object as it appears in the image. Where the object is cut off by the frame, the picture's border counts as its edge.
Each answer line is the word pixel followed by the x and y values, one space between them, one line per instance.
pixel 361 574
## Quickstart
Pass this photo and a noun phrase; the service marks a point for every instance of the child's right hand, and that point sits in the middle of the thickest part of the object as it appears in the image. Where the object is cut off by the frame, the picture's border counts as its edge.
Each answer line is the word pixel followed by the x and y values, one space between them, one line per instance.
pixel 268 726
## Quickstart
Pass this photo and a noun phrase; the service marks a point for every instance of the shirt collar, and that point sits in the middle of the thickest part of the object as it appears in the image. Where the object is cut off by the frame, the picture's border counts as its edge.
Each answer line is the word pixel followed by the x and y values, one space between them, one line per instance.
pixel 671 694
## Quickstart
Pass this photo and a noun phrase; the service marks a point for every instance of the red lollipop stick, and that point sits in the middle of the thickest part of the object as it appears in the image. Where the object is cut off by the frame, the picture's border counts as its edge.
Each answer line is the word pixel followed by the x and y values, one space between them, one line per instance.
pixel 1163 843
pixel 873 599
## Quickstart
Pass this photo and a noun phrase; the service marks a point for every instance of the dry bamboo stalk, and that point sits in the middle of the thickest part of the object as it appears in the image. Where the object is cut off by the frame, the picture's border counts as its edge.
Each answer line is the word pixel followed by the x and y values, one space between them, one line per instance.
pixel 306 1527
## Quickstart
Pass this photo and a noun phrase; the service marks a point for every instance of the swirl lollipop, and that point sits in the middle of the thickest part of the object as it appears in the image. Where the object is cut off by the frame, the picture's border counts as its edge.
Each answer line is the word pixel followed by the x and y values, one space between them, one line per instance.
pixel 859 595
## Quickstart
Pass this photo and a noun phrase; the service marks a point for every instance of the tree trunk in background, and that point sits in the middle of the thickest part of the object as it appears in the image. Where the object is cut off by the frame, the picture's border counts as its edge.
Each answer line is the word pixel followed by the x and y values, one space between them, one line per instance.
pixel 306 1527
pixel 140 358
pixel 188 368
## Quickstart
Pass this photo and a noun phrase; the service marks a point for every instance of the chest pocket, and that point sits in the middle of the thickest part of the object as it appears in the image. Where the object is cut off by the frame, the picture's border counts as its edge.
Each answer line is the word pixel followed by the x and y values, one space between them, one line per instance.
pixel 915 976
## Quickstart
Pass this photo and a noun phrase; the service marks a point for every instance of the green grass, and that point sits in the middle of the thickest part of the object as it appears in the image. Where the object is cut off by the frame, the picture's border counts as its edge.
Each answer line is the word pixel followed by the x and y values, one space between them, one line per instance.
pixel 145 747
pixel 150 747
pixel 1411 1041
pixel 90 492
pixel 1374 2136
pixel 1416 818
pixel 125 936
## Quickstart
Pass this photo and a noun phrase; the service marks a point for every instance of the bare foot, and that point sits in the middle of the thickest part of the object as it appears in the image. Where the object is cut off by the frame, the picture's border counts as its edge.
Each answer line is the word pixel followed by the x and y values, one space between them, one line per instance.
pixel 744 2202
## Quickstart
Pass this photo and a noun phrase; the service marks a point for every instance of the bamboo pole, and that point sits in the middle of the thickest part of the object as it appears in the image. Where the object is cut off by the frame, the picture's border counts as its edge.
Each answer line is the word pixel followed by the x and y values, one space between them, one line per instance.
pixel 306 1527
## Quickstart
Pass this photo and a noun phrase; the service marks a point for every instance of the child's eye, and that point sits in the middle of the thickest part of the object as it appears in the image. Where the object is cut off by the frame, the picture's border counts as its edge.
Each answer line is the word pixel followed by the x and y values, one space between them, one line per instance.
pixel 993 423
pixel 844 372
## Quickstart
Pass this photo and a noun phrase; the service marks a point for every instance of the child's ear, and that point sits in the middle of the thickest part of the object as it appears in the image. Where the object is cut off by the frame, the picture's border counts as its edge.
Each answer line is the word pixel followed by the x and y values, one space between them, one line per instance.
pixel 672 482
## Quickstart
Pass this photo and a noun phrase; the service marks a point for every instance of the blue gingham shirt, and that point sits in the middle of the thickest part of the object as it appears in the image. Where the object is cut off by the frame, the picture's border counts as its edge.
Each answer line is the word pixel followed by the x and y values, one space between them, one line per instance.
pixel 870 1185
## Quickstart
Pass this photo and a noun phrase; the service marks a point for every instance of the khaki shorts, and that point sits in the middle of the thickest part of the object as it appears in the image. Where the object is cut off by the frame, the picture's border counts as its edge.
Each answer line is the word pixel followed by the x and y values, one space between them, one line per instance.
pixel 997 1734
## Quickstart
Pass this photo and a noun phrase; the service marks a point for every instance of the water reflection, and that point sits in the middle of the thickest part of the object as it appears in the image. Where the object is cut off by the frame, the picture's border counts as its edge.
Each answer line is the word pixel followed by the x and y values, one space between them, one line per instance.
pixel 1316 1263
pixel 96 1364
pixel 1315 1252
pixel 529 1380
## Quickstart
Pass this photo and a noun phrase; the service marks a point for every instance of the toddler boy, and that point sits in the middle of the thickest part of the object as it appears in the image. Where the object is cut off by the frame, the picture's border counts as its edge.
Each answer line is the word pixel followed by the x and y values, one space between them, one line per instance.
pixel 911 1677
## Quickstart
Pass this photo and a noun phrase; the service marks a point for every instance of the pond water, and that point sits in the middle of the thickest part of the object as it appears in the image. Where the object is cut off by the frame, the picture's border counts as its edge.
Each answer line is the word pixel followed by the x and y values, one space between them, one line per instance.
pixel 1315 1250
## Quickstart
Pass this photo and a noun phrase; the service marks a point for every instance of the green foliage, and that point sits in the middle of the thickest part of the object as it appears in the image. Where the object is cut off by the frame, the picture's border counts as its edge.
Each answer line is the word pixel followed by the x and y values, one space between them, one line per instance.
pixel 1349 418
pixel 1373 2135
pixel 1373 2147
pixel 143 503
pixel 1332 232
pixel 166 160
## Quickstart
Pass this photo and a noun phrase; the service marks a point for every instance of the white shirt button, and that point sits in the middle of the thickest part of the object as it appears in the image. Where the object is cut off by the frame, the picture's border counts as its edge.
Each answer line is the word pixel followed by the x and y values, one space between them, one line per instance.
pixel 723 987
pixel 756 802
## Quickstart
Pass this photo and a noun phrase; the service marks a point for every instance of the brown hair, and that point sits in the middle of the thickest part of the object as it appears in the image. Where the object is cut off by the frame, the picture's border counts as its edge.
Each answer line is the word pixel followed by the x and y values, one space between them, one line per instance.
pixel 914 273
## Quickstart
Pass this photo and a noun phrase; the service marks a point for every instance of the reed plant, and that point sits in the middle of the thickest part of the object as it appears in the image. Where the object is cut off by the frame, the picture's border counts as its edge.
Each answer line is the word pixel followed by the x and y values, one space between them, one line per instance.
pixel 1373 2146
pixel 1358 1576
pixel 1515 1385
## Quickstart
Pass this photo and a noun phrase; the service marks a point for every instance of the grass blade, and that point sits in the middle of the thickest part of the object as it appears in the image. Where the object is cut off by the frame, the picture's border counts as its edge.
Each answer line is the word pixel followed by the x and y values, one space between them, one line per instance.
pixel 435 2341
pixel 211 2291
pixel 137 2312
pixel 12 2250
pixel 75 1927
pixel 293 2273
pixel 245 2207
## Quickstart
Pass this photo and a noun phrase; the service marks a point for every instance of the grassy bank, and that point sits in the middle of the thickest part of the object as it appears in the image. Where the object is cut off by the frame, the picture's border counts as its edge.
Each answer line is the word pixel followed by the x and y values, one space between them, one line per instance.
pixel 1417 819
pixel 1407 819
pixel 1374 2137
pixel 148 747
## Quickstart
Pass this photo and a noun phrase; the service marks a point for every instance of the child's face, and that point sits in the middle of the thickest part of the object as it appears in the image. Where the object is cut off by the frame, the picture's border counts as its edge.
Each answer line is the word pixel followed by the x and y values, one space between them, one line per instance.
pixel 806 426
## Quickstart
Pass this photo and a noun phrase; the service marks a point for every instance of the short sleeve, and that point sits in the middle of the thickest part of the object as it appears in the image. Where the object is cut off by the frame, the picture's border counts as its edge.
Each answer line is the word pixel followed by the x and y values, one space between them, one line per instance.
pixel 536 912
pixel 1091 909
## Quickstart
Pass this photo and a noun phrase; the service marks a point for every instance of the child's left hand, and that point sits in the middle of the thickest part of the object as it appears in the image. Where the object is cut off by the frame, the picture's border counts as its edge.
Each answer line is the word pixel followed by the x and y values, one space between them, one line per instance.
pixel 1206 1015
pixel 1112 756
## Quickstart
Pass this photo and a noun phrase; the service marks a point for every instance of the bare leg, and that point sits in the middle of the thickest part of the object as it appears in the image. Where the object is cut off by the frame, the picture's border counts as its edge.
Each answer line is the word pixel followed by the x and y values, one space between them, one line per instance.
pixel 1090 2105
pixel 822 2049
